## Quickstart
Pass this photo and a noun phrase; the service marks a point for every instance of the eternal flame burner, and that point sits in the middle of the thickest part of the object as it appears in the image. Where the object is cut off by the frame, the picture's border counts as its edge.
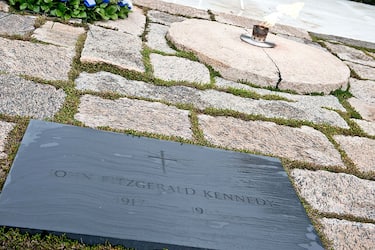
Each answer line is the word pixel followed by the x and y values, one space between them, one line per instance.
pixel 258 38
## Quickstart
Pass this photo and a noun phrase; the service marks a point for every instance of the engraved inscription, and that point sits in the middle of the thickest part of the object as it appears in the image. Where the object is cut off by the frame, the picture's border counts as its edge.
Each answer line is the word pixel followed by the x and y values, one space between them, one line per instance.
pixel 163 159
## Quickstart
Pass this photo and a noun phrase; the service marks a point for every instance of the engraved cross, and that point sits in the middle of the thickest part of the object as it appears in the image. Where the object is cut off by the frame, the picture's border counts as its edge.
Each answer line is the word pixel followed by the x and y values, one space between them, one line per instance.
pixel 163 159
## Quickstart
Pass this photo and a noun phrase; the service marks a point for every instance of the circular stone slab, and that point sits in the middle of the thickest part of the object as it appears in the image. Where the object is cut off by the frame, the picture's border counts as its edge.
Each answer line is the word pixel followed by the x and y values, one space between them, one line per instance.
pixel 302 68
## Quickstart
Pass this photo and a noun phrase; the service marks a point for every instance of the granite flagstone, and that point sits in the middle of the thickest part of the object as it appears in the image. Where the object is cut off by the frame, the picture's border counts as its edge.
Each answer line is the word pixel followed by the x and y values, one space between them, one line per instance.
pixel 13 24
pixel 128 114
pixel 113 47
pixel 338 193
pixel 366 126
pixel 156 38
pixel 58 34
pixel 348 234
pixel 202 99
pixel 48 62
pixel 364 72
pixel 163 17
pixel 363 99
pixel 20 97
pixel 360 150
pixel 4 6
pixel 301 144
pixel 5 128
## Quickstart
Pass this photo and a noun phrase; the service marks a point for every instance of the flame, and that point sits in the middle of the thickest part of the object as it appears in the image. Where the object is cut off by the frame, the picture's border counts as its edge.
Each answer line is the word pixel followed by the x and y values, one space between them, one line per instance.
pixel 291 10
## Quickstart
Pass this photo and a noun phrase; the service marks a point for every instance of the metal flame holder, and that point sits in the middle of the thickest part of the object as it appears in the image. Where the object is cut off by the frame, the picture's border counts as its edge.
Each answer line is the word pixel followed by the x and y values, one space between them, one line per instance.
pixel 248 39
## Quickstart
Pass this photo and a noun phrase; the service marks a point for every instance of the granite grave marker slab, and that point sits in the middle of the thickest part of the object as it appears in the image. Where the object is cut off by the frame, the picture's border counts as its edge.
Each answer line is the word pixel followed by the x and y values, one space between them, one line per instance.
pixel 150 194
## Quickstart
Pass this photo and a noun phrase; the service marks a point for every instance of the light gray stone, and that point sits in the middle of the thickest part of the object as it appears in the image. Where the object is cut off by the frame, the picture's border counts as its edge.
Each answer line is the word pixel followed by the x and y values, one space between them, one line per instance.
pixel 156 38
pixel 20 97
pixel 124 113
pixel 113 47
pixel 368 127
pixel 363 90
pixel 48 62
pixel 11 24
pixel 172 8
pixel 351 54
pixel 363 72
pixel 248 23
pixel 172 68
pixel 163 18
pixel 305 109
pixel 4 7
pixel 366 110
pixel 58 34
pixel 5 128
pixel 360 150
pixel 302 68
pixel 301 144
pixel 134 24
pixel 307 100
pixel 338 193
pixel 349 235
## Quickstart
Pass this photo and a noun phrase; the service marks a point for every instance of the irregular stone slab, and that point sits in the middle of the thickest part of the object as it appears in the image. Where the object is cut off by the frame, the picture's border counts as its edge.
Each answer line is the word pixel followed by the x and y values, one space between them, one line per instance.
pixel 124 113
pixel 305 109
pixel 58 34
pixel 349 235
pixel 4 7
pixel 308 100
pixel 366 110
pixel 351 54
pixel 26 98
pixel 172 68
pixel 173 8
pixel 5 128
pixel 113 47
pixel 368 127
pixel 338 193
pixel 134 24
pixel 156 38
pixel 301 144
pixel 11 24
pixel 363 90
pixel 360 150
pixel 363 72
pixel 248 23
pixel 163 18
pixel 48 62
pixel 302 68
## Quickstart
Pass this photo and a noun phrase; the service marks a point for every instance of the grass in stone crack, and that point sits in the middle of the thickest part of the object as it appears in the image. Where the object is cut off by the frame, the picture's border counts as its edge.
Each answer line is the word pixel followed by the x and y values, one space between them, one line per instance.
pixel 253 95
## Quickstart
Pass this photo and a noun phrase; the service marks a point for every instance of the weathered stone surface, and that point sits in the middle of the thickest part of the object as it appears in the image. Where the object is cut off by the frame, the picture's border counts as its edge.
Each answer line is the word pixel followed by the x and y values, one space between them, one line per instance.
pixel 26 98
pixel 58 34
pixel 368 127
pixel 349 235
pixel 306 69
pixel 156 38
pixel 172 68
pixel 302 144
pixel 113 47
pixel 5 128
pixel 173 8
pixel 137 115
pixel 360 150
pixel 363 90
pixel 338 193
pixel 307 108
pixel 303 110
pixel 328 101
pixel 163 18
pixel 363 72
pixel 134 24
pixel 351 54
pixel 48 62
pixel 364 98
pixel 366 110
pixel 248 23
pixel 11 24
pixel 4 7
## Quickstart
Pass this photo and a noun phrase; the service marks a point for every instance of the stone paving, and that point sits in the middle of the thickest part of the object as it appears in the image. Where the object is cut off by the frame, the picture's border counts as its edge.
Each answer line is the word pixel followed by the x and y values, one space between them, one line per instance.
pixel 153 89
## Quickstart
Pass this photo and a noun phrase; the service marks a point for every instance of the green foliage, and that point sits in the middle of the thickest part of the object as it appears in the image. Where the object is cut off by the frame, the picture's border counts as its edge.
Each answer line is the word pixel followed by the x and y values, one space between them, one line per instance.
pixel 73 9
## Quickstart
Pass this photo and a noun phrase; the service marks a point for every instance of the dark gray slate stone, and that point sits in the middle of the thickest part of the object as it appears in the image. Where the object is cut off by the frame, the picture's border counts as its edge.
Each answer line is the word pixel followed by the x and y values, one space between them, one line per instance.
pixel 149 194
